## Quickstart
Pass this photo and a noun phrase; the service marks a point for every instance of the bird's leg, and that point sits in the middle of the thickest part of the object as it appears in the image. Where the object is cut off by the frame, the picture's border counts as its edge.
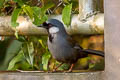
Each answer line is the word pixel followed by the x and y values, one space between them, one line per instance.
pixel 57 67
pixel 71 67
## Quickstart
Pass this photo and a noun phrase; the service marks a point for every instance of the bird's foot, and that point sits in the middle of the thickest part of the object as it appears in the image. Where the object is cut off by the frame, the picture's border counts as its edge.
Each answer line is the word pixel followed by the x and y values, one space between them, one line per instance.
pixel 54 70
pixel 68 71
pixel 50 71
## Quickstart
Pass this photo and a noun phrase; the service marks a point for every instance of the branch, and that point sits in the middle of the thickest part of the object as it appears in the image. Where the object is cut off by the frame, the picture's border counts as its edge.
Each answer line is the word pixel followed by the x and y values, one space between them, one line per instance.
pixel 95 25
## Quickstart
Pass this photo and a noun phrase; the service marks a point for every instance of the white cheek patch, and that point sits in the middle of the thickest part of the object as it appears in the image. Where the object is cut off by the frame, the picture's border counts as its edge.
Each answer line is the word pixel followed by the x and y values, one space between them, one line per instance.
pixel 53 30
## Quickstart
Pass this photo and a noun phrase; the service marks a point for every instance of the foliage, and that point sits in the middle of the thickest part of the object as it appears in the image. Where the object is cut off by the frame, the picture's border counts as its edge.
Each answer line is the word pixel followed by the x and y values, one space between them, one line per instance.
pixel 9 48
pixel 15 15
pixel 66 14
pixel 31 52
pixel 16 59
pixel 36 14
pixel 27 52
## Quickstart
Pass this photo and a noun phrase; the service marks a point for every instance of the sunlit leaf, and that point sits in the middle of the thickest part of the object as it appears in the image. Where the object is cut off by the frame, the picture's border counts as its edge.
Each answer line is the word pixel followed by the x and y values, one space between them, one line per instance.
pixel 45 60
pixel 14 17
pixel 16 34
pixel 37 10
pixel 19 38
pixel 16 59
pixel 37 21
pixel 66 14
pixel 28 10
pixel 28 50
pixel 22 65
pixel 41 42
pixel 31 50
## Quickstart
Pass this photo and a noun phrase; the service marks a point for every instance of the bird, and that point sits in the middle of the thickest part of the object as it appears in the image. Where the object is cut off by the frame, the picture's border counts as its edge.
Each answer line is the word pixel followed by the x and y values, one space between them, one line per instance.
pixel 61 45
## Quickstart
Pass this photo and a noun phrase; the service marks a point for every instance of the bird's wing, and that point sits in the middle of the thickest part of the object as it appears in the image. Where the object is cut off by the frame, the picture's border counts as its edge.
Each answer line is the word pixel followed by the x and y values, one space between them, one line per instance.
pixel 73 43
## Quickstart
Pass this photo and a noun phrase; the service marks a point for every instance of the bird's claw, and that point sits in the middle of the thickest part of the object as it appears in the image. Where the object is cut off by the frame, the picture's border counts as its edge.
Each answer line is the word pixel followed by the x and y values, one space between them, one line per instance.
pixel 54 70
pixel 69 71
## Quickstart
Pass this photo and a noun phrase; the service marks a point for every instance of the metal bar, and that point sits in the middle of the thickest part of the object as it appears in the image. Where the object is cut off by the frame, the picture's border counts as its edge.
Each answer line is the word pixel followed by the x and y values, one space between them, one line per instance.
pixel 95 25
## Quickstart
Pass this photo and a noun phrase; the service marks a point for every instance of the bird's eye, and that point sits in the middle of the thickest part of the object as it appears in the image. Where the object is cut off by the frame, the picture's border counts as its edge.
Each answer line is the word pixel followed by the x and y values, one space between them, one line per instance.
pixel 50 25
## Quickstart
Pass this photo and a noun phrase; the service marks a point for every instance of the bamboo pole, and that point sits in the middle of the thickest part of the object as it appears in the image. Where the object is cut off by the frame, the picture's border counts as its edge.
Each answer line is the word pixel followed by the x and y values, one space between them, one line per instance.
pixel 95 25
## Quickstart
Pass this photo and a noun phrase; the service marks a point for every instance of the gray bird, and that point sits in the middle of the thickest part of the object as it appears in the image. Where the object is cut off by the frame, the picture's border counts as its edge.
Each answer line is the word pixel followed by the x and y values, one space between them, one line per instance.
pixel 62 47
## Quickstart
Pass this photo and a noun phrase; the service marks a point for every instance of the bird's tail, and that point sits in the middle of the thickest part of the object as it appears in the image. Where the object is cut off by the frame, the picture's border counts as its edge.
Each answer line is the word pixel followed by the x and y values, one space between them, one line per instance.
pixel 94 52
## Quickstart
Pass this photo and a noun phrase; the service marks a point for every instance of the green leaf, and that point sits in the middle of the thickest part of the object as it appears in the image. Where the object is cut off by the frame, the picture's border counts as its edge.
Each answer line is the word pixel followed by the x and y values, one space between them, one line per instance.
pixel 15 60
pixel 28 50
pixel 37 21
pixel 45 60
pixel 20 2
pixel 16 34
pixel 28 10
pixel 14 17
pixel 1 3
pixel 21 39
pixel 11 51
pixel 39 13
pixel 46 7
pixel 37 10
pixel 22 65
pixel 66 14
pixel 41 42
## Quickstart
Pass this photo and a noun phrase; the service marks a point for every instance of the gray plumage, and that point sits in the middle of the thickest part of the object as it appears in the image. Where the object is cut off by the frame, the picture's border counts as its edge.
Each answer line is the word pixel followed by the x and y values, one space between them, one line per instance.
pixel 63 51
pixel 61 45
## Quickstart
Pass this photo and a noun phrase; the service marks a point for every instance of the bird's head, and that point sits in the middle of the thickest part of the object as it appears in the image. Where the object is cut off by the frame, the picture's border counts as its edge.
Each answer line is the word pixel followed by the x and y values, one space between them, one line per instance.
pixel 54 26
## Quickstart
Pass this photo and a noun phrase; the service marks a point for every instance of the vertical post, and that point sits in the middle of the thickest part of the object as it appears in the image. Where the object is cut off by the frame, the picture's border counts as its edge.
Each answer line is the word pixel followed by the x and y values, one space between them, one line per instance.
pixel 112 39
pixel 85 8
pixel 88 8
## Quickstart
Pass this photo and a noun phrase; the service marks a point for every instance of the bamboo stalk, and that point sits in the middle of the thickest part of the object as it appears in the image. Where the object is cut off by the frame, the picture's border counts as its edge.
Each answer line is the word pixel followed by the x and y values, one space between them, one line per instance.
pixel 95 25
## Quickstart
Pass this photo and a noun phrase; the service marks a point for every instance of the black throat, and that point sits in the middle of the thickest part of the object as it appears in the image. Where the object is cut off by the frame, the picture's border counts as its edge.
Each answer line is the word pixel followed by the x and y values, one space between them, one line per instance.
pixel 50 37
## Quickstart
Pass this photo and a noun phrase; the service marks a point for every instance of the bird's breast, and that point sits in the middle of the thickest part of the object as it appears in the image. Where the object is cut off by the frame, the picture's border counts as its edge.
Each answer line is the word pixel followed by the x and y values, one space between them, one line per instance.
pixel 61 49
